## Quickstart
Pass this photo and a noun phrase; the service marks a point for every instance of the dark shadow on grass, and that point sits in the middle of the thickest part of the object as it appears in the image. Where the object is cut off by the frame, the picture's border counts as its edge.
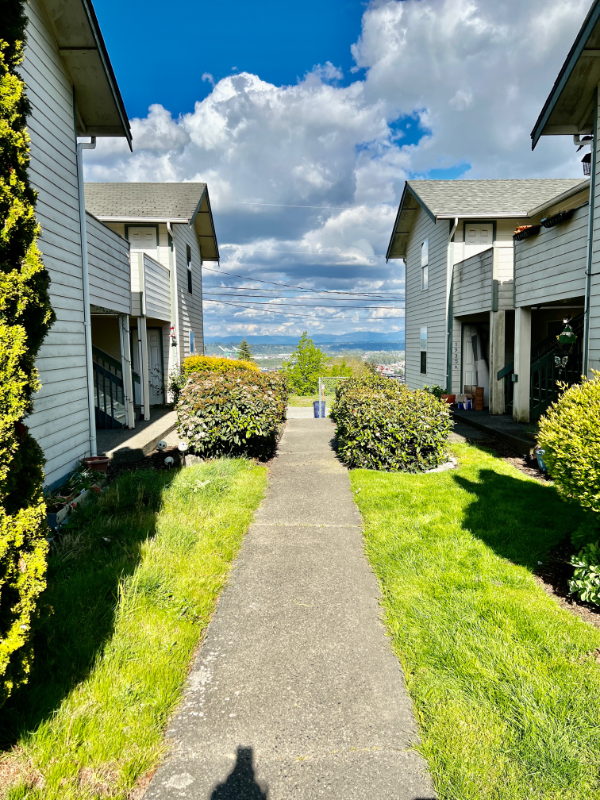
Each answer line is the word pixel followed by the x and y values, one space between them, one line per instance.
pixel 99 548
pixel 521 520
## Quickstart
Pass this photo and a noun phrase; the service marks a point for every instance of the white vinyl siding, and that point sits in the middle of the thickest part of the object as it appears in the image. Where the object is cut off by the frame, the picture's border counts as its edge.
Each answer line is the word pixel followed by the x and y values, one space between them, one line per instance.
pixel 551 265
pixel 594 320
pixel 190 305
pixel 109 270
pixel 157 284
pixel 472 289
pixel 426 308
pixel 60 421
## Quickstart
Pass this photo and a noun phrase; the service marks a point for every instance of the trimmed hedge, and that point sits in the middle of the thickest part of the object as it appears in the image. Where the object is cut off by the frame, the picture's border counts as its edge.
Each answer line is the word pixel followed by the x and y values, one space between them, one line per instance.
pixel 383 425
pixel 25 317
pixel 194 364
pixel 570 438
pixel 234 413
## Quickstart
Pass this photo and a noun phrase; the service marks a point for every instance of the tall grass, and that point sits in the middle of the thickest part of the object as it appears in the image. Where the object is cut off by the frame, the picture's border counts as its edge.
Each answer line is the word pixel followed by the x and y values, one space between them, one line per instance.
pixel 132 586
pixel 505 683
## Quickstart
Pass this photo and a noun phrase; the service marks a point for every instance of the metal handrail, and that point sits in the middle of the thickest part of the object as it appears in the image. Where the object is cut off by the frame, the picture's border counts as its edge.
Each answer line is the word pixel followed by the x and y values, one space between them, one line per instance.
pixel 506 370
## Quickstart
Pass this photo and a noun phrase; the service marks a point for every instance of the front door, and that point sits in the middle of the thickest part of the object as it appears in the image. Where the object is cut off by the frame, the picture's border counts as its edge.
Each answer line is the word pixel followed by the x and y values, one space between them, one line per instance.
pixel 155 365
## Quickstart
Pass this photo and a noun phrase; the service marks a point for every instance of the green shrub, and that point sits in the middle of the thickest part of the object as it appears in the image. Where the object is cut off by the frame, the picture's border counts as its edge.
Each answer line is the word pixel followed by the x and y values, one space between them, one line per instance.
pixel 232 413
pixel 383 425
pixel 435 390
pixel 570 438
pixel 586 578
pixel 193 364
pixel 25 316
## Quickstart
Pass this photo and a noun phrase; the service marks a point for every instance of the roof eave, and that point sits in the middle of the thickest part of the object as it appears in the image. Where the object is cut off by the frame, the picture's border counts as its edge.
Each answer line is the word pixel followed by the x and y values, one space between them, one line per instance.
pixel 565 73
pixel 560 197
pixel 216 256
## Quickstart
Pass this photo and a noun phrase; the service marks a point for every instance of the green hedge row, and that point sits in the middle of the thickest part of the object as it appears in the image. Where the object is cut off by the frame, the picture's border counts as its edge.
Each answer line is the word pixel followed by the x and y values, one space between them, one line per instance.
pixel 232 413
pixel 25 317
pixel 383 425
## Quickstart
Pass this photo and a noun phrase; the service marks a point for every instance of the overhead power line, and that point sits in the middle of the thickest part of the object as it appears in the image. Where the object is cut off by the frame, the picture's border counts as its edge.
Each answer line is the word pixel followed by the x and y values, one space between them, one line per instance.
pixel 296 305
pixel 288 285
pixel 281 313
pixel 316 294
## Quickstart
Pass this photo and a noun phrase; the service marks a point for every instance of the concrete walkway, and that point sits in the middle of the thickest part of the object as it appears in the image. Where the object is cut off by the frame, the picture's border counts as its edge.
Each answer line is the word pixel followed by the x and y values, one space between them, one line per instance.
pixel 296 693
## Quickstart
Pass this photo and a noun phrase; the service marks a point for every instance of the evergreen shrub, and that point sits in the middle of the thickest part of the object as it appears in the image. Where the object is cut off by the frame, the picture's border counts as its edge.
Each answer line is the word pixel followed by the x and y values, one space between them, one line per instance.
pixel 194 364
pixel 233 413
pixel 569 435
pixel 25 317
pixel 383 425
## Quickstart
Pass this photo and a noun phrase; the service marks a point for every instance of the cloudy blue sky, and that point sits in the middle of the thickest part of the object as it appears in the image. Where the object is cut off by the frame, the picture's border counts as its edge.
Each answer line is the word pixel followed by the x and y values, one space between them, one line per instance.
pixel 306 118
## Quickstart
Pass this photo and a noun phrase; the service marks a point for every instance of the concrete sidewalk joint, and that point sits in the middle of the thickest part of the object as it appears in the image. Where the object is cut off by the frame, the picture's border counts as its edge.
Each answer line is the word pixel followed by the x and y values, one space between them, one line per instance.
pixel 295 692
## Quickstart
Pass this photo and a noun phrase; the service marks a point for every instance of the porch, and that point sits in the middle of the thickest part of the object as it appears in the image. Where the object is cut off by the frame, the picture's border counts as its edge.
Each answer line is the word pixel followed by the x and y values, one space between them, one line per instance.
pixel 504 429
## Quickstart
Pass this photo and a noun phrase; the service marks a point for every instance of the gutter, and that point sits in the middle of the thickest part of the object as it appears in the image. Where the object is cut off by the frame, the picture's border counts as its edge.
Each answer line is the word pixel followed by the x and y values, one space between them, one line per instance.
pixel 449 279
pixel 85 279
pixel 174 294
pixel 590 243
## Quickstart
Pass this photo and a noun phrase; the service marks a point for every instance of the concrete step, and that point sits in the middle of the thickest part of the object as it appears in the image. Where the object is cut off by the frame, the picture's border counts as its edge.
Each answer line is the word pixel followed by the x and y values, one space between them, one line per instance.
pixel 502 428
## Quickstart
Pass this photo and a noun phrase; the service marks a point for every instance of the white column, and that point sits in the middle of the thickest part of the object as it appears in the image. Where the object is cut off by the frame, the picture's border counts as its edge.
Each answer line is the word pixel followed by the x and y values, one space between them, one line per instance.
pixel 522 386
pixel 127 371
pixel 497 352
pixel 144 367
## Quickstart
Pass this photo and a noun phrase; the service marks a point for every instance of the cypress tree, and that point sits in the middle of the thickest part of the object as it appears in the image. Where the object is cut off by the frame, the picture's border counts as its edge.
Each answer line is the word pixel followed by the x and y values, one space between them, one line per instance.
pixel 25 317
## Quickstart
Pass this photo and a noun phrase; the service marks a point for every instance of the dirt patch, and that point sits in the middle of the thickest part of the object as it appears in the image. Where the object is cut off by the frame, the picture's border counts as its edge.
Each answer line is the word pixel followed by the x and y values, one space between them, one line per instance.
pixel 15 771
pixel 554 576
pixel 524 464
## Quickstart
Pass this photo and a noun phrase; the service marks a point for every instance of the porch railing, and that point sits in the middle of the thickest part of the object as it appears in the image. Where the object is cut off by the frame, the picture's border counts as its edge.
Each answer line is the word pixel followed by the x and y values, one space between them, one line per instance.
pixel 506 375
pixel 108 390
pixel 546 374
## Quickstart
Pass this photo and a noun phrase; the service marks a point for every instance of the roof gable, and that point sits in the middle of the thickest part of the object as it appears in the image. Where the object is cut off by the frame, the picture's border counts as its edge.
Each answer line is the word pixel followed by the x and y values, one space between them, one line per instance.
pixel 157 202
pixel 99 105
pixel 472 199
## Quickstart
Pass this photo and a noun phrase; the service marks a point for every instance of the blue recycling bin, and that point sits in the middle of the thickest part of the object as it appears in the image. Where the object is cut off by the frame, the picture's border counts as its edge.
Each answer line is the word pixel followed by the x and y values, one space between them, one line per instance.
pixel 319 408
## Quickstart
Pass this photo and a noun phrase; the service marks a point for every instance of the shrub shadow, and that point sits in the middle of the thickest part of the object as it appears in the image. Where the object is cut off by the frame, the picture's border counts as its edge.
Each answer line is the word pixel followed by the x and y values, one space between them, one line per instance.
pixel 86 563
pixel 521 520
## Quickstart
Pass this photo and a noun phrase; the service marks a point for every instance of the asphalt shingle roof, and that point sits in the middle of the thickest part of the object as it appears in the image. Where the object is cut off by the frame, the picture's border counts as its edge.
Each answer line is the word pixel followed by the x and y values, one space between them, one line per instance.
pixel 476 197
pixel 168 201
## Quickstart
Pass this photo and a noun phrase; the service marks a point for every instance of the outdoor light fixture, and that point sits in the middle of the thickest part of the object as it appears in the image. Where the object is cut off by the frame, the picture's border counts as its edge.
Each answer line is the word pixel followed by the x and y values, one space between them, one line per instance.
pixel 162 445
pixel 568 336
pixel 587 164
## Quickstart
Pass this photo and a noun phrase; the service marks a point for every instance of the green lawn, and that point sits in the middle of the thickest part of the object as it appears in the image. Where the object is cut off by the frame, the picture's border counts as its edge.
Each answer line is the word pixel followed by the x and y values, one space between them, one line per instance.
pixel 298 401
pixel 505 684
pixel 131 589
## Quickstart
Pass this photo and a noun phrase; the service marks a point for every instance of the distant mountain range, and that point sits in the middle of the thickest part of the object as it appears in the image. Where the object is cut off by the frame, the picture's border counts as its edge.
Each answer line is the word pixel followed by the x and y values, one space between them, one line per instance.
pixel 359 338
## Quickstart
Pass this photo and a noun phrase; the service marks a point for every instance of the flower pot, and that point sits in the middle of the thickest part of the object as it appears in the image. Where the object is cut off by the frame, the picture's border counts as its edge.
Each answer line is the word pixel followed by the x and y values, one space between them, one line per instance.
pixel 96 463
pixel 449 398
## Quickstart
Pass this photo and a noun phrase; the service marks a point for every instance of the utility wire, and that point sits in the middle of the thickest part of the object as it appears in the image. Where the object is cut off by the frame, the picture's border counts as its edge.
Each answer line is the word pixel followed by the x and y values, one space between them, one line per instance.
pixel 316 294
pixel 297 305
pixel 279 313
pixel 289 285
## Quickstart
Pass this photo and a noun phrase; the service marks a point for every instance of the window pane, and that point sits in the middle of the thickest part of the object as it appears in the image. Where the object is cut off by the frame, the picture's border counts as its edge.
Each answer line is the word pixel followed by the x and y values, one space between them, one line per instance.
pixel 425 278
pixel 189 272
pixel 423 338
pixel 423 363
pixel 425 253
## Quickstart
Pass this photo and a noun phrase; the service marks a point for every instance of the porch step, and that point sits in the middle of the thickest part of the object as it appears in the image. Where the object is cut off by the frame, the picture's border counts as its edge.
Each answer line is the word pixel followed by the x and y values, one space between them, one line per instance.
pixel 502 428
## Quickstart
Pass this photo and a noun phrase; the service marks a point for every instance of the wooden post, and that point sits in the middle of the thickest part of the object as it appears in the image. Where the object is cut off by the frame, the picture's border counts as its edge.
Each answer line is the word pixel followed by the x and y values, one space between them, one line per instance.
pixel 144 368
pixel 522 388
pixel 127 371
pixel 497 354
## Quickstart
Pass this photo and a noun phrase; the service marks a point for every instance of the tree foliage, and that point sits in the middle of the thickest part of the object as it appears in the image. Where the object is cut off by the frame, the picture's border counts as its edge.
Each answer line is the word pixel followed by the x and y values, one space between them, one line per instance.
pixel 245 352
pixel 305 366
pixel 25 317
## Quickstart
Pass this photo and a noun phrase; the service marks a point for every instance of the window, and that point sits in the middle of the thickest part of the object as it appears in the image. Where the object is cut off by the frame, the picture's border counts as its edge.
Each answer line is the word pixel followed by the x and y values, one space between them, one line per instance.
pixel 424 350
pixel 188 252
pixel 425 265
pixel 192 343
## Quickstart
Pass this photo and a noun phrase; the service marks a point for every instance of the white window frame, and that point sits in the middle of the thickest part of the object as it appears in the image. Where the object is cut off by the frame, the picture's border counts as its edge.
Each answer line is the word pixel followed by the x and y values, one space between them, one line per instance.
pixel 425 265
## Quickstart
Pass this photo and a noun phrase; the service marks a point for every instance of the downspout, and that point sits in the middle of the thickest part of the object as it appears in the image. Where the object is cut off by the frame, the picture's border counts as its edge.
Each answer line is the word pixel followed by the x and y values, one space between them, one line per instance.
pixel 588 274
pixel 449 279
pixel 85 278
pixel 174 293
